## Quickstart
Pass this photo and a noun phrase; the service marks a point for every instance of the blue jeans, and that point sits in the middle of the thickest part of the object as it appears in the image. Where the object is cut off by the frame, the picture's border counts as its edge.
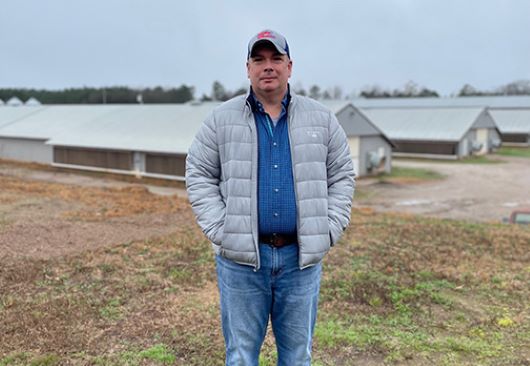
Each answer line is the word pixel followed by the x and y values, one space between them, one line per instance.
pixel 279 289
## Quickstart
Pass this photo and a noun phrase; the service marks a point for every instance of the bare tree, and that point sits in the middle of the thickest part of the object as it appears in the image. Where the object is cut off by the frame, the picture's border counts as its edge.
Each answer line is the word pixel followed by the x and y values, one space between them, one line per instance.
pixel 467 90
pixel 518 87
pixel 337 92
pixel 314 92
pixel 299 89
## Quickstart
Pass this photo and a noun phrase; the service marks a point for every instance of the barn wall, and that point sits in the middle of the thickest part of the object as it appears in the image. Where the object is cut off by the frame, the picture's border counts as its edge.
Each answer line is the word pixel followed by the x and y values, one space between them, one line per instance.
pixel 464 146
pixel 516 138
pixel 165 164
pixel 25 150
pixel 425 147
pixel 493 135
pixel 354 143
pixel 107 159
pixel 374 144
pixel 484 120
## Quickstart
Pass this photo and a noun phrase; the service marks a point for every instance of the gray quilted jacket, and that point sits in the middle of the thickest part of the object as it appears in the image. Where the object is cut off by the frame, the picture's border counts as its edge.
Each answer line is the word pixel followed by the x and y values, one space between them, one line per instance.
pixel 221 179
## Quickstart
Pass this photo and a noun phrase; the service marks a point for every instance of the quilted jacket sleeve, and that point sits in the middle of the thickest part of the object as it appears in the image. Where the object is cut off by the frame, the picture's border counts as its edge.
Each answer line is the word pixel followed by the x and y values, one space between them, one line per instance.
pixel 203 175
pixel 341 180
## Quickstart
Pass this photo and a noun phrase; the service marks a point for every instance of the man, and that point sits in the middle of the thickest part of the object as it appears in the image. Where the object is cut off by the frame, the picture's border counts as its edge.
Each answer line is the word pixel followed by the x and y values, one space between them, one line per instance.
pixel 270 179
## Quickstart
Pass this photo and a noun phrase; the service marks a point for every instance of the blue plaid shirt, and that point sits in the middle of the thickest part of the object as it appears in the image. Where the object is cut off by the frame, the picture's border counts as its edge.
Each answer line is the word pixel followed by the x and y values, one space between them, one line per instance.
pixel 276 197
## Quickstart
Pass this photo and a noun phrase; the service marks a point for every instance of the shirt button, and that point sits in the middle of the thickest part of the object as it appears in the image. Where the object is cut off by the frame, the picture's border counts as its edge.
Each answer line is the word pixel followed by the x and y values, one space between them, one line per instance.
pixel 274 144
pixel 276 190
pixel 276 214
pixel 275 166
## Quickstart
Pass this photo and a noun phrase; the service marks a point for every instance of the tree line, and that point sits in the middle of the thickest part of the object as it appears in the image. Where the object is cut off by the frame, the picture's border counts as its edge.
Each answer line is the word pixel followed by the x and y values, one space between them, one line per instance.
pixel 413 90
pixel 185 93
pixel 117 94
pixel 518 87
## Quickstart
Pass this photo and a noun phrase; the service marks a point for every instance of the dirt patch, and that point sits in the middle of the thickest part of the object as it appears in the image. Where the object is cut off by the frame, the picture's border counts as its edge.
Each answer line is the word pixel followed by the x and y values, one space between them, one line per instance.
pixel 46 220
pixel 476 192
pixel 44 239
pixel 46 173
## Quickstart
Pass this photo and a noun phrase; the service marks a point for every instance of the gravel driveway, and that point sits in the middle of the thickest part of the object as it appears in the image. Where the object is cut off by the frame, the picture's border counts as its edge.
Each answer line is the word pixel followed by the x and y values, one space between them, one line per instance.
pixel 477 192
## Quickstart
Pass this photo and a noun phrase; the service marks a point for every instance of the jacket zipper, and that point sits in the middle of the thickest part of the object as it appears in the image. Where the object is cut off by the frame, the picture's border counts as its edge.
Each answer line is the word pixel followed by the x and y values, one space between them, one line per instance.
pixel 290 117
pixel 255 189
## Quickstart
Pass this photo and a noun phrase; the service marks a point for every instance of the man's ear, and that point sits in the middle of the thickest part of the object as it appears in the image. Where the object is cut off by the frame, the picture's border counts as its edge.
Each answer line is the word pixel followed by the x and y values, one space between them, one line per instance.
pixel 248 70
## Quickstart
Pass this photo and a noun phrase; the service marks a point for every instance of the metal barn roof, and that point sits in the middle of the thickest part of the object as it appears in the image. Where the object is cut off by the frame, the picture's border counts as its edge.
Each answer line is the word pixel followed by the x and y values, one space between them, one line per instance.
pixel 336 106
pixel 426 124
pixel 12 115
pixel 497 102
pixel 359 127
pixel 512 121
pixel 51 121
pixel 151 128
pixel 14 101
pixel 32 101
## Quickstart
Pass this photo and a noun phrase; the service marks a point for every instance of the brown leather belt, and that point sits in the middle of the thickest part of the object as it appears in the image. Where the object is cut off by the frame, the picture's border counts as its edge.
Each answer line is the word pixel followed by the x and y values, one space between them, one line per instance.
pixel 278 240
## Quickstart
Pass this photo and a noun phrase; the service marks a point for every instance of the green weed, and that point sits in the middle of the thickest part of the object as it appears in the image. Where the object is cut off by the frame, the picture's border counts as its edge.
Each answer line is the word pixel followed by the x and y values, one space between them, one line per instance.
pixel 112 310
pixel 21 358
pixel 523 152
pixel 159 353
pixel 414 173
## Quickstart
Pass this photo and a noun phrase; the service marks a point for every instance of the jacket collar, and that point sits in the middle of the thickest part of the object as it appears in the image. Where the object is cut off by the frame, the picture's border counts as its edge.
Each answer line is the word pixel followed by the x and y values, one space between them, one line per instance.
pixel 288 101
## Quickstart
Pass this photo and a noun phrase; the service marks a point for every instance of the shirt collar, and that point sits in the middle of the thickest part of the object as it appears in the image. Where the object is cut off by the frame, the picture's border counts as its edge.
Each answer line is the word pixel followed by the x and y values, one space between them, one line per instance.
pixel 257 106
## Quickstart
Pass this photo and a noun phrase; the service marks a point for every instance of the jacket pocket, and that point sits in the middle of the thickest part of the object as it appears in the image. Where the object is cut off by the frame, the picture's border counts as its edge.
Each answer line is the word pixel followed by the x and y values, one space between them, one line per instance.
pixel 217 235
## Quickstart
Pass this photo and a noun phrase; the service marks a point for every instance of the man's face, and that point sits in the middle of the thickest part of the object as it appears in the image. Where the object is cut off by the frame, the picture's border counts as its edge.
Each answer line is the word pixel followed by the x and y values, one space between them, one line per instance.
pixel 268 70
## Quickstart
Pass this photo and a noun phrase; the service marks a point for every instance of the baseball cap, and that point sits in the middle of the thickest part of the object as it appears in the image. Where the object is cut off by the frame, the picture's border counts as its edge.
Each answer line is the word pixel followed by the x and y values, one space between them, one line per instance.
pixel 279 42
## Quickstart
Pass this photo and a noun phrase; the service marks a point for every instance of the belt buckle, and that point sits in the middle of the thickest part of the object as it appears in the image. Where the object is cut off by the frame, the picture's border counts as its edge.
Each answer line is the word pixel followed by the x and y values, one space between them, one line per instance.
pixel 276 240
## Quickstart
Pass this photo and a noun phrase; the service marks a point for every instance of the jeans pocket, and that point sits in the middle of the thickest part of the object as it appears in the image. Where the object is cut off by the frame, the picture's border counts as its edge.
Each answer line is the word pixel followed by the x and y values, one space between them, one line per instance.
pixel 237 277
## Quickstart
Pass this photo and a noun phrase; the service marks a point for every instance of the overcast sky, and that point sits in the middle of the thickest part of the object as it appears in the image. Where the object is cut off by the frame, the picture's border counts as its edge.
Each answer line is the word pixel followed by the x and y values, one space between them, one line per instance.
pixel 440 44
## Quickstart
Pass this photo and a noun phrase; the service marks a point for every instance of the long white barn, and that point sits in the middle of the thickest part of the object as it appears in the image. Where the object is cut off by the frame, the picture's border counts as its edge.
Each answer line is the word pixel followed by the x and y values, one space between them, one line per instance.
pixel 514 125
pixel 450 133
pixel 143 140
pixel 512 119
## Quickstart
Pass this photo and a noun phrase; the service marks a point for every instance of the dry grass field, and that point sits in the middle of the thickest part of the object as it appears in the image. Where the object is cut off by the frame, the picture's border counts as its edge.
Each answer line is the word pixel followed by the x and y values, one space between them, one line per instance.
pixel 119 276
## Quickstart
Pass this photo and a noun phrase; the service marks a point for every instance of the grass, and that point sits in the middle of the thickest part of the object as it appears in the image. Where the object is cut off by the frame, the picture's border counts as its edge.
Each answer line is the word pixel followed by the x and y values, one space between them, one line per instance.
pixel 523 152
pixel 478 159
pixel 409 175
pixel 25 359
pixel 473 159
pixel 112 310
pixel 159 353
pixel 3 222
pixel 396 290
pixel 363 193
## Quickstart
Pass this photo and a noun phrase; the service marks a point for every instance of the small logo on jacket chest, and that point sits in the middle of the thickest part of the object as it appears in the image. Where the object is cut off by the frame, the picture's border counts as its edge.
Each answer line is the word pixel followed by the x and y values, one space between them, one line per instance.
pixel 313 134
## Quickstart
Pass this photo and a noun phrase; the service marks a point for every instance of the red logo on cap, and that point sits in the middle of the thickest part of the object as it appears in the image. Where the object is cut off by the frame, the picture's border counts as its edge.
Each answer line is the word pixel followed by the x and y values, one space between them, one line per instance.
pixel 265 34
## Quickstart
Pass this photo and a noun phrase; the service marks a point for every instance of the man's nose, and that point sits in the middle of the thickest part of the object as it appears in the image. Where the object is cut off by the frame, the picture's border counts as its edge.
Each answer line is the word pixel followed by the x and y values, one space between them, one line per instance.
pixel 268 65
